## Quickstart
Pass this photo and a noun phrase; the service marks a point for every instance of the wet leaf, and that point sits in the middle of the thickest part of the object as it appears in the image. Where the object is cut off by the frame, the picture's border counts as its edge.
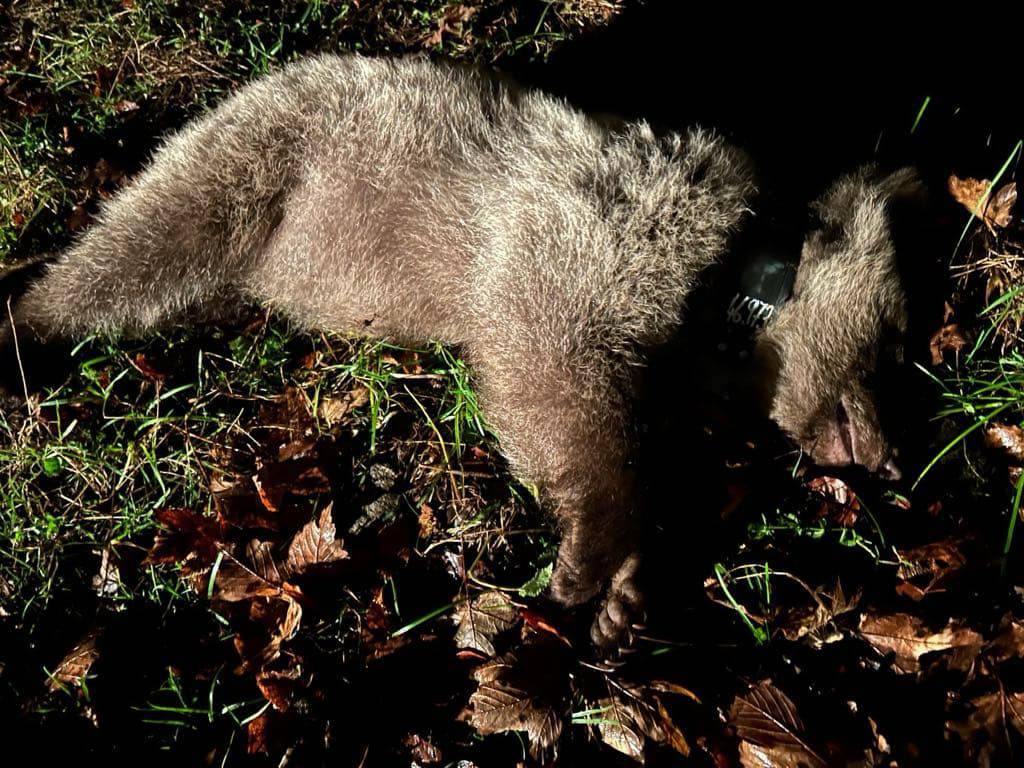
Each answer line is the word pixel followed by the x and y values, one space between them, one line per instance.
pixel 907 637
pixel 770 729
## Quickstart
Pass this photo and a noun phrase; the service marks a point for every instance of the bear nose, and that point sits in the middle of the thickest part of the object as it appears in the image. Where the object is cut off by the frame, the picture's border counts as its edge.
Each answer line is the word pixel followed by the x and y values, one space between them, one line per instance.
pixel 889 470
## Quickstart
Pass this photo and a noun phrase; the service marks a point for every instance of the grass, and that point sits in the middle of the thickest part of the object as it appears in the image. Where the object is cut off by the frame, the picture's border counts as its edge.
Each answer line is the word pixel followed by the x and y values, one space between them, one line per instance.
pixel 102 79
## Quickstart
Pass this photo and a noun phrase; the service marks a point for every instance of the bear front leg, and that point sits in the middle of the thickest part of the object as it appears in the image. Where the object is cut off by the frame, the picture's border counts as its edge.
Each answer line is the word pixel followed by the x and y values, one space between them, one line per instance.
pixel 570 433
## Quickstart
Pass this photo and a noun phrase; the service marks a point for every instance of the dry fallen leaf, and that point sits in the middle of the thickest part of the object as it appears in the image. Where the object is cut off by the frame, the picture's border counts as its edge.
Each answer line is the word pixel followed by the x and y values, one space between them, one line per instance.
pixel 187 535
pixel 623 725
pixel 315 545
pixel 925 569
pixel 235 581
pixel 986 726
pixel 107 581
pixel 298 473
pixel 770 730
pixel 480 619
pixel 271 622
pixel 1007 439
pixel 451 22
pixel 814 622
pixel 523 691
pixel 909 639
pixel 935 559
pixel 1008 643
pixel 996 210
pixel 76 663
pixel 627 719
pixel 947 339
pixel 422 750
pixel 334 409
pixel 842 505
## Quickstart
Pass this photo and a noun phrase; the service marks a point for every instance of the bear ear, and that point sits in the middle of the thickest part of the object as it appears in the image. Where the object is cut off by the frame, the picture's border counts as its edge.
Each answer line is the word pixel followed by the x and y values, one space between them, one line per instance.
pixel 903 187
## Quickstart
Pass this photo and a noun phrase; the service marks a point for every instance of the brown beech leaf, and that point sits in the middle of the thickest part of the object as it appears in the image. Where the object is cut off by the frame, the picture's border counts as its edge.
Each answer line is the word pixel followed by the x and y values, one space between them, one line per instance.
pixel 909 639
pixel 289 412
pixel 1008 642
pixel 770 729
pixel 628 719
pixel 480 619
pixel 256 741
pixel 522 691
pixel 991 717
pixel 1007 439
pixel 76 663
pixel 187 535
pixel 148 370
pixel 237 581
pixel 947 339
pixel 813 623
pixel 240 506
pixel 623 725
pixel 996 211
pixel 421 750
pixel 842 504
pixel 925 569
pixel 281 686
pixel 271 622
pixel 299 474
pixel 936 558
pixel 334 409
pixel 315 545
pixel 269 734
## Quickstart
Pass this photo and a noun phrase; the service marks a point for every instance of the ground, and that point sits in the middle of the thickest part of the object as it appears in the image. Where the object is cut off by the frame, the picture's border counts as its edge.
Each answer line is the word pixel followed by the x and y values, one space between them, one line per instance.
pixel 248 545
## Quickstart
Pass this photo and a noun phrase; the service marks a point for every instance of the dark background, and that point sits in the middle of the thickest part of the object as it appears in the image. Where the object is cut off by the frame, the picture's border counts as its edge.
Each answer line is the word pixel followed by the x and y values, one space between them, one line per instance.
pixel 813 94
